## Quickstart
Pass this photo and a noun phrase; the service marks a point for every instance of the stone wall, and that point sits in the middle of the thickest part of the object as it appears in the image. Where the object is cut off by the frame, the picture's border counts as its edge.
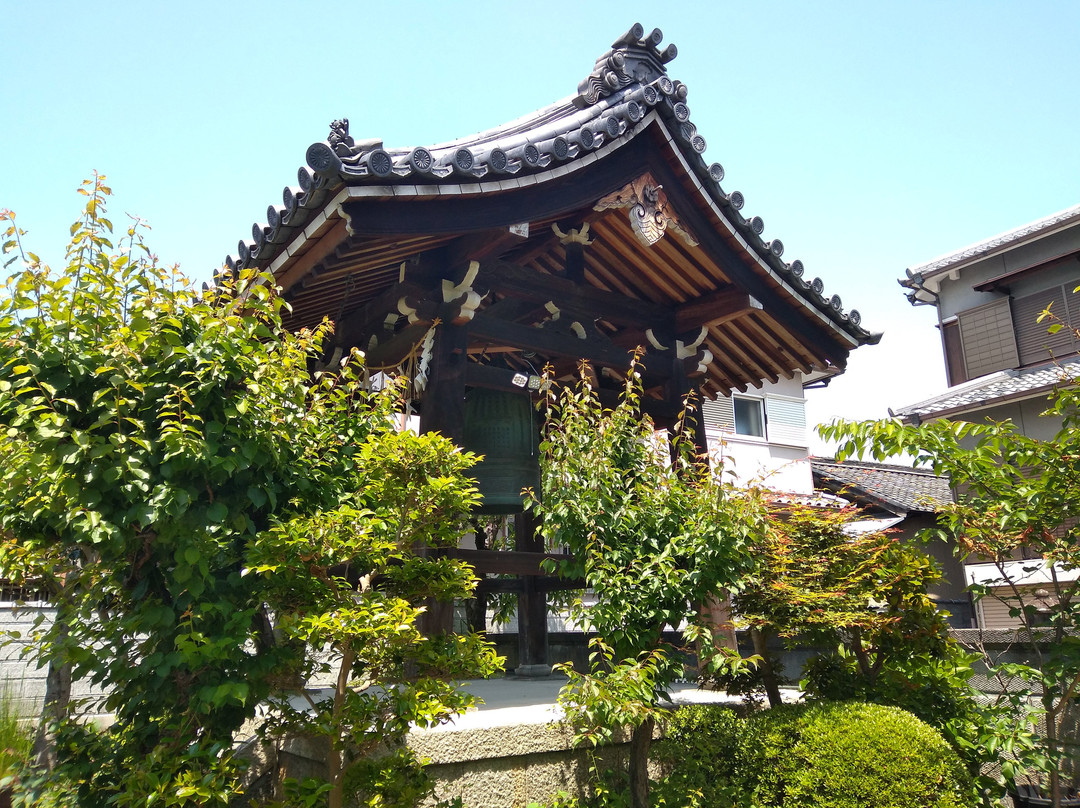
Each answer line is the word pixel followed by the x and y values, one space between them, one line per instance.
pixel 507 766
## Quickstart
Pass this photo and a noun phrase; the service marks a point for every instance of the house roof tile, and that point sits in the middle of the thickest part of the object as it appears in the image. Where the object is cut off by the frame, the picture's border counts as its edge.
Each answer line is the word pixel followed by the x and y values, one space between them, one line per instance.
pixel 1005 385
pixel 1002 241
pixel 900 489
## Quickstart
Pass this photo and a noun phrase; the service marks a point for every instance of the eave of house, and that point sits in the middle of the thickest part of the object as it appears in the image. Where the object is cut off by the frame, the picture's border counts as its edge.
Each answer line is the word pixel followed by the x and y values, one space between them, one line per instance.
pixel 928 276
pixel 900 490
pixel 1004 387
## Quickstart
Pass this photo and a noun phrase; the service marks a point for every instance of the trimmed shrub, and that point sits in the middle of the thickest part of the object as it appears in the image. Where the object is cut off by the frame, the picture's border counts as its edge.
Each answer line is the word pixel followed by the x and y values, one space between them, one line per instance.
pixel 846 755
pixel 698 751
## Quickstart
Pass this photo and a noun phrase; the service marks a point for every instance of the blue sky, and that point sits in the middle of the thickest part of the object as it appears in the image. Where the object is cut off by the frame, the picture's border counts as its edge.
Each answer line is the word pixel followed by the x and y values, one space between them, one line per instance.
pixel 869 136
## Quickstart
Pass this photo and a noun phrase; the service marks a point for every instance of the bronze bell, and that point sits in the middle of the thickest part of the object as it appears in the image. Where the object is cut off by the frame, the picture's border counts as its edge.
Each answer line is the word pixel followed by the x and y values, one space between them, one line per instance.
pixel 502 427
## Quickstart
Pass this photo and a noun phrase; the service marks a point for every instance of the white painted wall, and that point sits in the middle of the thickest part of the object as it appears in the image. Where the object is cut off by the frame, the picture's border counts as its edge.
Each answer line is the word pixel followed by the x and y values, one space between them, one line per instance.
pixel 21 679
pixel 779 460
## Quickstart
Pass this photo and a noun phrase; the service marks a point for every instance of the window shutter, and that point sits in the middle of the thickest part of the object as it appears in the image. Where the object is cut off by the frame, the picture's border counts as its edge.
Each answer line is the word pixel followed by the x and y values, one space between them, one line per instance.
pixel 1033 342
pixel 989 342
pixel 954 353
pixel 719 413
pixel 786 419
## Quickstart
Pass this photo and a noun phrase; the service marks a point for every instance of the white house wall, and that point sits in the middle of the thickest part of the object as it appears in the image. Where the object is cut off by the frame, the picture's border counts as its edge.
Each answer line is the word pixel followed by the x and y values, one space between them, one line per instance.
pixel 779 460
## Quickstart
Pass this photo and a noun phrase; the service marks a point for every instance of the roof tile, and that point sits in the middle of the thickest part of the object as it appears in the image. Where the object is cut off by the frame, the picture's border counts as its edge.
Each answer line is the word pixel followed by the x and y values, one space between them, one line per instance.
pixel 993 389
pixel 896 488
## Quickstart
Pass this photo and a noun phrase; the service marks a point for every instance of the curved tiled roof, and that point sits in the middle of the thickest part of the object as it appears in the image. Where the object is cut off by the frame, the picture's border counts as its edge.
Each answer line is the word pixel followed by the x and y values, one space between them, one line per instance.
pixel 1005 385
pixel 897 488
pixel 627 89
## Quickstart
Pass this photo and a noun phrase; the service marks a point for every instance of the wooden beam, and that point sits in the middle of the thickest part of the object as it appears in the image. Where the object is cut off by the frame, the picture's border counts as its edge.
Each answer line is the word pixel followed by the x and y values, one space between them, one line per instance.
pixel 713 309
pixel 547 343
pixel 316 254
pixel 493 378
pixel 356 327
pixel 515 586
pixel 517 309
pixel 458 214
pixel 393 351
pixel 484 246
pixel 501 562
pixel 659 410
pixel 513 280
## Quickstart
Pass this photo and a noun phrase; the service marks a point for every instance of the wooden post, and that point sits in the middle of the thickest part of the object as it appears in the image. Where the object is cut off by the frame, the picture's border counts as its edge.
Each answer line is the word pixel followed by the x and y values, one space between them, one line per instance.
pixel 678 387
pixel 443 411
pixel 532 605
pixel 575 262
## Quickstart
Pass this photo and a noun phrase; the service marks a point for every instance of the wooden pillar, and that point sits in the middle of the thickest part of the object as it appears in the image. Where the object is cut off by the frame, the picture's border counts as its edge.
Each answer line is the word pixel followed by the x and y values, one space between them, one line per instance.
pixel 443 411
pixel 677 388
pixel 532 605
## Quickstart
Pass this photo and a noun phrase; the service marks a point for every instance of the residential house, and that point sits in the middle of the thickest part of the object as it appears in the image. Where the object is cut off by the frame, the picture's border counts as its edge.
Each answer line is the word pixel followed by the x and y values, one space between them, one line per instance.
pixel 1000 360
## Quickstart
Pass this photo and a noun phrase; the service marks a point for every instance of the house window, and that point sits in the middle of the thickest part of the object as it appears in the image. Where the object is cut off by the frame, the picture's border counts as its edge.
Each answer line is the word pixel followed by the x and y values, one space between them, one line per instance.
pixel 749 416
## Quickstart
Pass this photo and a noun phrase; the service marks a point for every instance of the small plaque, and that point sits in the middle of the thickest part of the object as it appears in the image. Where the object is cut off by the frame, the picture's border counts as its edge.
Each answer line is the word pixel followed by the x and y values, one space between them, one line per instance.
pixel 521 229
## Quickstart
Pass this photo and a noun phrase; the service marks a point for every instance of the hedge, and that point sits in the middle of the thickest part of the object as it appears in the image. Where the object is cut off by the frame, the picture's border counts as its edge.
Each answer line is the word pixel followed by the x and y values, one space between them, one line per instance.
pixel 838 755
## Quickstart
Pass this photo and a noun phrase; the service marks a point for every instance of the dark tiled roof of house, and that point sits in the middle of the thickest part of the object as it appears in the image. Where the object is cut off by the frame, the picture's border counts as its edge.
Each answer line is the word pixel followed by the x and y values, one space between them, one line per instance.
pixel 997 388
pixel 1002 241
pixel 627 90
pixel 900 489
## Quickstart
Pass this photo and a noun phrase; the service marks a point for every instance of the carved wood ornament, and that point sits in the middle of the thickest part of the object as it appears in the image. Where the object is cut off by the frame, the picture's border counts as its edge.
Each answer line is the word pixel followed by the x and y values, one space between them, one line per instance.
pixel 650 213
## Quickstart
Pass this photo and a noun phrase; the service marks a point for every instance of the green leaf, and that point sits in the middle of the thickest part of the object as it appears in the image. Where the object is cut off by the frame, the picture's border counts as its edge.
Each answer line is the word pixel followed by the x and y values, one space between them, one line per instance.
pixel 217 512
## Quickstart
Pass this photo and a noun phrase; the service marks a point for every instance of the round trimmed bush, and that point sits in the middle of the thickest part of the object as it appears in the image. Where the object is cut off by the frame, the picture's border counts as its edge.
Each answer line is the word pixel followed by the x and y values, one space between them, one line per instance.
pixel 843 755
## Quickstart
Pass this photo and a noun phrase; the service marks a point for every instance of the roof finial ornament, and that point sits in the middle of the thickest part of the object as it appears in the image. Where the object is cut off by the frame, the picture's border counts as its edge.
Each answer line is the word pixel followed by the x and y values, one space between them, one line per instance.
pixel 634 57
pixel 345 146
pixel 339 135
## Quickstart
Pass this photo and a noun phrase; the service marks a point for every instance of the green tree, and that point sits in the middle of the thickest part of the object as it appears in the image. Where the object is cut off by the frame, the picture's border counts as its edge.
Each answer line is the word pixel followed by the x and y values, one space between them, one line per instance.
pixel 1018 498
pixel 654 533
pixel 863 596
pixel 167 453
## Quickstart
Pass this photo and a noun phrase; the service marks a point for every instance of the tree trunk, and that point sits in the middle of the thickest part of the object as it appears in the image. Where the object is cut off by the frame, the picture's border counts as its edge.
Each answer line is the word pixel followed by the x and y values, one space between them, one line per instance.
pixel 476 612
pixel 335 758
pixel 640 742
pixel 718 615
pixel 768 669
pixel 55 708
pixel 861 657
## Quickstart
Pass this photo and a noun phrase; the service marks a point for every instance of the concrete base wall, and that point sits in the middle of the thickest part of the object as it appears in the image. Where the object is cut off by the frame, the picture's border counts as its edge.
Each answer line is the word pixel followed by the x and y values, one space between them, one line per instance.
pixel 506 767
pixel 511 766
pixel 21 681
